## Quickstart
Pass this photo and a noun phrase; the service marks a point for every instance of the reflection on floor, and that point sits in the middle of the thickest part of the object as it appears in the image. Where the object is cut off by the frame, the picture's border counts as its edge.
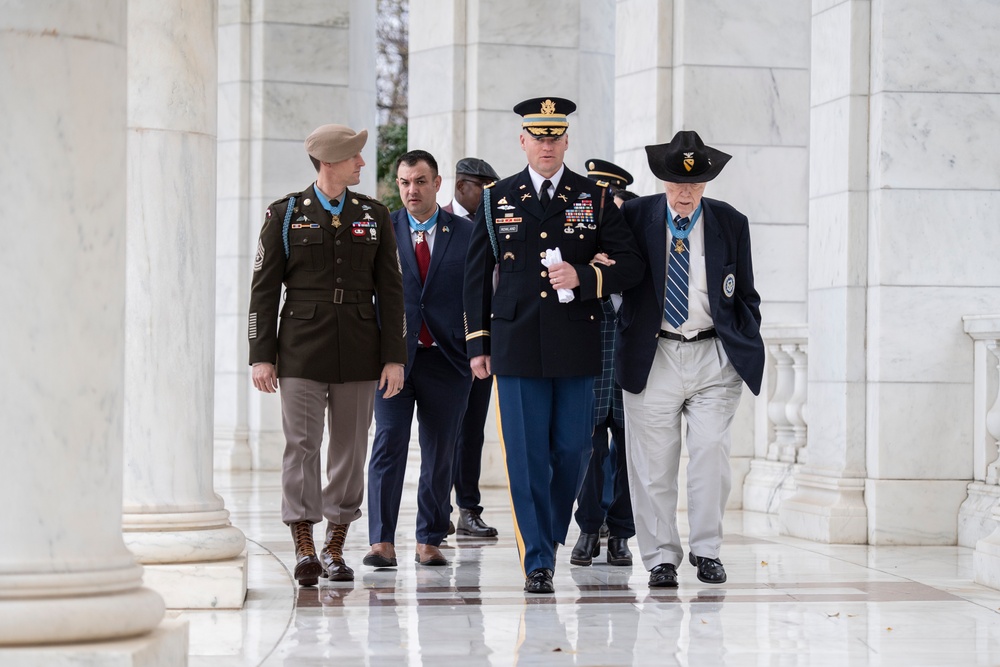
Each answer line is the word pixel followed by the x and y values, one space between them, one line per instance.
pixel 787 602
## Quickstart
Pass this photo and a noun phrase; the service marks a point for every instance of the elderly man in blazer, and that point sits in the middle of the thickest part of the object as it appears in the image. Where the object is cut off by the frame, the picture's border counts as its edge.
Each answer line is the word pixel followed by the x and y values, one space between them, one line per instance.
pixel 432 248
pixel 689 337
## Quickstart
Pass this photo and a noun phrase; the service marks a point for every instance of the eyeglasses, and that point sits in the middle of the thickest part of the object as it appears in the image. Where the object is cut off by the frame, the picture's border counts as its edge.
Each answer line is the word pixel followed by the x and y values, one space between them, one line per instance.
pixel 477 183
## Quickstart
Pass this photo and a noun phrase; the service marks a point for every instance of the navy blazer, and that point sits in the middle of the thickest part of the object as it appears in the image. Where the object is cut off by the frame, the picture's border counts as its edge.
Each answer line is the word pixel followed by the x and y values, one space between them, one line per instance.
pixel 438 301
pixel 524 327
pixel 727 259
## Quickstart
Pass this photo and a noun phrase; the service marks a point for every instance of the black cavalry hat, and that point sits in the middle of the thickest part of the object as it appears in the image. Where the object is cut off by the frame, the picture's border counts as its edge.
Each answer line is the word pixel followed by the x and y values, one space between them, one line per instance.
pixel 602 170
pixel 686 159
pixel 545 116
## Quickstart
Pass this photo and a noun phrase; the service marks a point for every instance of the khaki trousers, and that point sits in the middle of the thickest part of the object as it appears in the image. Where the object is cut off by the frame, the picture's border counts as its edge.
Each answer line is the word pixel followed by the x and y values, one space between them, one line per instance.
pixel 695 380
pixel 348 407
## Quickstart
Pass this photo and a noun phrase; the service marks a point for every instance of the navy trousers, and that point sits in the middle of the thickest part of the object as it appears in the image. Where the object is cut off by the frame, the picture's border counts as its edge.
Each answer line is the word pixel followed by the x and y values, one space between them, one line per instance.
pixel 438 392
pixel 590 511
pixel 469 448
pixel 545 429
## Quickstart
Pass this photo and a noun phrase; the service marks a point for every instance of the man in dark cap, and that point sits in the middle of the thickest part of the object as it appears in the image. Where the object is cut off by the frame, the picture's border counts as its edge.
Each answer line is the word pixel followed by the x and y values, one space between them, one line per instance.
pixel 539 333
pixel 471 176
pixel 592 516
pixel 688 338
pixel 341 335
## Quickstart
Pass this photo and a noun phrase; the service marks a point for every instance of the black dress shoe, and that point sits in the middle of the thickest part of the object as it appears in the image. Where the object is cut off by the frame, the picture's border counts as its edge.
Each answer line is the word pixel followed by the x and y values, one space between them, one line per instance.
pixel 710 570
pixel 663 575
pixel 587 546
pixel 618 552
pixel 471 523
pixel 539 581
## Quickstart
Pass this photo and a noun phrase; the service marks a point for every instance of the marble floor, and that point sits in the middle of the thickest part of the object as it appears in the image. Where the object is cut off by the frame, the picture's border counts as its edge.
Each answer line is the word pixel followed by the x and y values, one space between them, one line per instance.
pixel 787 602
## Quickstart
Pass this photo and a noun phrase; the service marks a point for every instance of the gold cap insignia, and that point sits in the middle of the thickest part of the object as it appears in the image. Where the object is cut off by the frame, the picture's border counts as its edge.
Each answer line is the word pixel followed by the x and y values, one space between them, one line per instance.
pixel 689 161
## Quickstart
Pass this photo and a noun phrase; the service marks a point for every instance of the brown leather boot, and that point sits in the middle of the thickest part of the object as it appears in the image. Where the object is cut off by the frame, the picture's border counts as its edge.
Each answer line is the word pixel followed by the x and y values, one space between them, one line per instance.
pixel 307 567
pixel 332 555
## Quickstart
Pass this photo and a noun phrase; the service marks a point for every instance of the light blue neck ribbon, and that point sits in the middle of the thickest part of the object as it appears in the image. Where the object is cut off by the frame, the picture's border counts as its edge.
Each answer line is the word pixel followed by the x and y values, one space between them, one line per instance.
pixel 683 233
pixel 325 203
pixel 423 226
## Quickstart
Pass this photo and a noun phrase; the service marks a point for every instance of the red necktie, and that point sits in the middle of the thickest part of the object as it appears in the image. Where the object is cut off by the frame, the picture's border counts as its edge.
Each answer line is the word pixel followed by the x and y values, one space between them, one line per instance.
pixel 423 254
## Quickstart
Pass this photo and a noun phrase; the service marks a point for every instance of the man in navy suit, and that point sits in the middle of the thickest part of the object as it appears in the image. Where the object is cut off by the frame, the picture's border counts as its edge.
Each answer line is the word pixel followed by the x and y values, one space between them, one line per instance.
pixel 432 247
pixel 689 337
pixel 540 332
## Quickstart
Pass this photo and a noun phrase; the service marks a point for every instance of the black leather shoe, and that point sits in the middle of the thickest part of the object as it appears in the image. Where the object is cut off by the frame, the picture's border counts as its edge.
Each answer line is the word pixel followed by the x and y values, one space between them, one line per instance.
pixel 663 575
pixel 710 570
pixel 618 551
pixel 587 546
pixel 470 523
pixel 539 581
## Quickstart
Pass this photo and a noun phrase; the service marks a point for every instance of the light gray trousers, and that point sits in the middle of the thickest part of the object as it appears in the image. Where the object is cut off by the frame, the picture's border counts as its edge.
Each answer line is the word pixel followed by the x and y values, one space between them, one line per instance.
pixel 695 380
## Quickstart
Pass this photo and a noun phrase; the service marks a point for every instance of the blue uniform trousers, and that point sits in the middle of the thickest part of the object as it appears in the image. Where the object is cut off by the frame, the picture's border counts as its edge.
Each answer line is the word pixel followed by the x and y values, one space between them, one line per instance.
pixel 545 429
pixel 439 393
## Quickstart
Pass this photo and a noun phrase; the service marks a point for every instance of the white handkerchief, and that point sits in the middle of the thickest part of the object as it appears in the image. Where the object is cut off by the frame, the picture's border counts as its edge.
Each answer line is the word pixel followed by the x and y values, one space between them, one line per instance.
pixel 554 256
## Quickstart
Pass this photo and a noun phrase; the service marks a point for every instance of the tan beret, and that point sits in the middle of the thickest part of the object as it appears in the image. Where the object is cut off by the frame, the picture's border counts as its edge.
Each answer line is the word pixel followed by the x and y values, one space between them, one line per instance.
pixel 333 143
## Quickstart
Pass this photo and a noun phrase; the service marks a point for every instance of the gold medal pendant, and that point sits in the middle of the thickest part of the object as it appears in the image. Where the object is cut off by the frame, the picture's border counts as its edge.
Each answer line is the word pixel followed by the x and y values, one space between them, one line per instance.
pixel 336 220
pixel 679 245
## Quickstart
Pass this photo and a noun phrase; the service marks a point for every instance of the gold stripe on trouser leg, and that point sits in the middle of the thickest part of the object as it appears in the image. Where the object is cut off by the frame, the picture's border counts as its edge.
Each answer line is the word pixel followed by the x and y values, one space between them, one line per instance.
pixel 503 451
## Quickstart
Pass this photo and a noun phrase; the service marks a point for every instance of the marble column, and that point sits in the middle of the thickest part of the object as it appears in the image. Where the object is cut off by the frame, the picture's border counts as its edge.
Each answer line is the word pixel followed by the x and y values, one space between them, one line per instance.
pixel 66 577
pixel 174 522
pixel 285 67
pixel 472 61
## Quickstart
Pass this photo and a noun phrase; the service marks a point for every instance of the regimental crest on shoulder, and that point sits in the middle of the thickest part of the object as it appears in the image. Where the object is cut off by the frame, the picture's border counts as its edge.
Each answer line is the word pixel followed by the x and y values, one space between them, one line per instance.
pixel 689 161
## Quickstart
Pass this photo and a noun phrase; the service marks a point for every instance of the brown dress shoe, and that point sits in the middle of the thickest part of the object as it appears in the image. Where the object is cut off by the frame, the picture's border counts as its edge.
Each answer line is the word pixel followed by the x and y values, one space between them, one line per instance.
pixel 382 554
pixel 307 567
pixel 472 524
pixel 428 554
pixel 332 556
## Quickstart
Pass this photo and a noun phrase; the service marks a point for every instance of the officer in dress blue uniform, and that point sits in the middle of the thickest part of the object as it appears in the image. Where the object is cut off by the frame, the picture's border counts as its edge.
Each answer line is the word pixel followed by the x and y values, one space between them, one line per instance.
pixel 540 332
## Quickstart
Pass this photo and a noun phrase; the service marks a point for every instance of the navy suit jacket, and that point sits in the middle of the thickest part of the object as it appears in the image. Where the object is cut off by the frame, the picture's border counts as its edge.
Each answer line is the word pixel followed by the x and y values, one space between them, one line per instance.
pixel 438 301
pixel 727 260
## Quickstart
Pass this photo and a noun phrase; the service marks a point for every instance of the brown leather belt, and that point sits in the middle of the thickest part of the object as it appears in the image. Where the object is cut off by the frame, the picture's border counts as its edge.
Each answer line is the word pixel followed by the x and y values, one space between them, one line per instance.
pixel 335 296
pixel 701 335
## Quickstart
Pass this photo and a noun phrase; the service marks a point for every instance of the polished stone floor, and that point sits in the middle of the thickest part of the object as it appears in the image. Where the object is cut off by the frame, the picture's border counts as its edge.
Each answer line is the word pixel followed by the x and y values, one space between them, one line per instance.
pixel 787 602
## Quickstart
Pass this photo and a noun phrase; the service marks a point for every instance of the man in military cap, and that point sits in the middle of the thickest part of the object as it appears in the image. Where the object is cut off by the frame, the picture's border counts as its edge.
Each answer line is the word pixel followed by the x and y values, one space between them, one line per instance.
pixel 592 516
pixel 471 176
pixel 341 335
pixel 688 338
pixel 540 332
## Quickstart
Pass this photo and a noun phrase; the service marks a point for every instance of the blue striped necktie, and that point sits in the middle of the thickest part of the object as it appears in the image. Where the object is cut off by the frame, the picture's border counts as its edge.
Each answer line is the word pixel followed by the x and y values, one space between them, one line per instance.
pixel 675 308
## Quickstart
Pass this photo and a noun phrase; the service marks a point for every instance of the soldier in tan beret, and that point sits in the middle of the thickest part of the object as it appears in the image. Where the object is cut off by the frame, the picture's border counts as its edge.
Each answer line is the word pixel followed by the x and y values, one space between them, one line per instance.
pixel 342 334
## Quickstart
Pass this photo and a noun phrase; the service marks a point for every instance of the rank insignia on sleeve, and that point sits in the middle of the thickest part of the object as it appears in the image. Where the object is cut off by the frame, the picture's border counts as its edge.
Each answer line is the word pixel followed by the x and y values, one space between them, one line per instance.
pixel 258 260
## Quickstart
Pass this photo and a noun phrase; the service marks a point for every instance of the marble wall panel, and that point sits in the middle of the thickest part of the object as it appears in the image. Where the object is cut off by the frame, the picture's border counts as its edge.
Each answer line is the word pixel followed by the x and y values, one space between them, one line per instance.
pixel 233 114
pixel 436 81
pixel 643 103
pixel 783 311
pixel 592 127
pixel 644 36
pixel 840 52
pixel 634 161
pixel 228 288
pixel 935 141
pixel 916 334
pixel 838 132
pixel 746 106
pixel 437 24
pixel 913 512
pixel 925 45
pixel 233 11
pixel 286 169
pixel 500 83
pixel 327 13
pixel 838 240
pixel 291 110
pixel 766 183
pixel 779 261
pixel 232 40
pixel 837 321
pixel 493 136
pixel 302 53
pixel 756 33
pixel 164 102
pixel 597 27
pixel 229 227
pixel 836 440
pixel 919 430
pixel 554 23
pixel 958 227
pixel 232 165
pixel 229 329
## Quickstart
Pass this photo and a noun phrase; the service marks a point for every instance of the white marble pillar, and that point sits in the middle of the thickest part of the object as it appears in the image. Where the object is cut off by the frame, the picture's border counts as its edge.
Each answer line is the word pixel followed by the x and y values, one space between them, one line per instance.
pixel 65 574
pixel 173 520
pixel 285 67
pixel 828 505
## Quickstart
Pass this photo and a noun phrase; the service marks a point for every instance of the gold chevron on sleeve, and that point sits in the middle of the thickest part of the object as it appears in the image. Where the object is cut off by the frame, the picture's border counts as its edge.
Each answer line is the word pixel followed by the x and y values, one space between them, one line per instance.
pixel 600 280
